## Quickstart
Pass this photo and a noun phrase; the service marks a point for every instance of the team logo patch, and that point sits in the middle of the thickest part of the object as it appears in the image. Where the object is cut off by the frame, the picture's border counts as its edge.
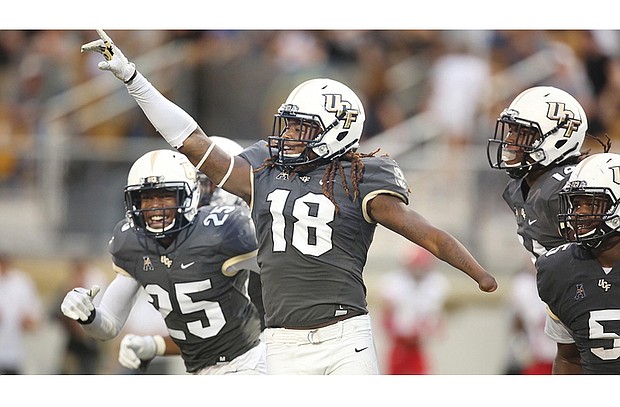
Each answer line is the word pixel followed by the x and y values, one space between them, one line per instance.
pixel 615 172
pixel 165 261
pixel 565 118
pixel 580 293
pixel 604 284
pixel 283 175
pixel 343 109
pixel 148 264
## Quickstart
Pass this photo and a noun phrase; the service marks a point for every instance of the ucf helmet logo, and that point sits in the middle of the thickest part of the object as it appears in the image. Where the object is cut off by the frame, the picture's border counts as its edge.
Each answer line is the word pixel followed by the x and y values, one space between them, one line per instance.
pixel 334 103
pixel 566 118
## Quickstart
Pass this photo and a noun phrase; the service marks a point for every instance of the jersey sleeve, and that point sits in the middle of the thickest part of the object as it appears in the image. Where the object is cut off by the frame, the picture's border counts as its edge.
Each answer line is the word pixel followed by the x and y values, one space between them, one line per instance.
pixel 239 243
pixel 556 330
pixel 120 263
pixel 256 154
pixel 382 175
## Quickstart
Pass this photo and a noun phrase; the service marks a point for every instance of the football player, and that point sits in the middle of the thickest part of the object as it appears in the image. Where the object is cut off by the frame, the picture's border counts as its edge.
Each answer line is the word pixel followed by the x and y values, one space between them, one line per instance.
pixel 194 264
pixel 537 142
pixel 579 280
pixel 315 202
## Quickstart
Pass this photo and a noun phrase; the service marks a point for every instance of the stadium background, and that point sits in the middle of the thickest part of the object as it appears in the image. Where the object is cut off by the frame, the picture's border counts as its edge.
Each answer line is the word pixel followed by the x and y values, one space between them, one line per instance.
pixel 68 134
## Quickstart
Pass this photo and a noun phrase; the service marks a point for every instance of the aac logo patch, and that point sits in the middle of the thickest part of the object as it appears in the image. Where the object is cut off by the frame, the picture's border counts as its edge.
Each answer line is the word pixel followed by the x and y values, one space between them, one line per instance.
pixel 580 293
pixel 148 264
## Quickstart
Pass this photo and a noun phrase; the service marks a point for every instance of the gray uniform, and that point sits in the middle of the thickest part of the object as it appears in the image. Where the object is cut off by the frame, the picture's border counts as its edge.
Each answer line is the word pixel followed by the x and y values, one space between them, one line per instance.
pixel 585 298
pixel 208 315
pixel 536 209
pixel 312 258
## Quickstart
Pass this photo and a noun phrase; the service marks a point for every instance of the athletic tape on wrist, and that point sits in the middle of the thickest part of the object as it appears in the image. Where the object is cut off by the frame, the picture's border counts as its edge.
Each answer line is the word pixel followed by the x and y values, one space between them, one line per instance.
pixel 160 345
pixel 230 167
pixel 204 157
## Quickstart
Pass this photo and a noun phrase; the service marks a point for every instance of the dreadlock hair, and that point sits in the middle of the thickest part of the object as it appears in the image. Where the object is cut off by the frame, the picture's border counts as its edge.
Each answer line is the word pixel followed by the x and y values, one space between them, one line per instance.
pixel 605 145
pixel 332 166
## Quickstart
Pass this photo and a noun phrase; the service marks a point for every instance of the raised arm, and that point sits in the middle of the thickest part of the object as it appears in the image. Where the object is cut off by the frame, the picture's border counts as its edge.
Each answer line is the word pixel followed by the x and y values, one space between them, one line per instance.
pixel 392 213
pixel 175 125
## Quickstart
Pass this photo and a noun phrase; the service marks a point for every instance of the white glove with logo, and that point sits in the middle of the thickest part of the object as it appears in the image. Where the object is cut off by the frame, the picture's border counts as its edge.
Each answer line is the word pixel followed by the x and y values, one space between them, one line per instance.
pixel 78 304
pixel 115 61
pixel 136 349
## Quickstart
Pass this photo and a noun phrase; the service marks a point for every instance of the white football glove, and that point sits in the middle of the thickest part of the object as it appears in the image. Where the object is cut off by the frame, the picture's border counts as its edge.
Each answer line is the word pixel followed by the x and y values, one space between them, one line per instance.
pixel 78 304
pixel 115 61
pixel 136 349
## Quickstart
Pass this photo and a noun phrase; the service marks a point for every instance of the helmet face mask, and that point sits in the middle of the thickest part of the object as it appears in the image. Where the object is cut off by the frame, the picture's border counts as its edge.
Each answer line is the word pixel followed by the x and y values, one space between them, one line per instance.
pixel 589 203
pixel 516 141
pixel 296 138
pixel 162 194
pixel 584 214
pixel 321 119
pixel 557 118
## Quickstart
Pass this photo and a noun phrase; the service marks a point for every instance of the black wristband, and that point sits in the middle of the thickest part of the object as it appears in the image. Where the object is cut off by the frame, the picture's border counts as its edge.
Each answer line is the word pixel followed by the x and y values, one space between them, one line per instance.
pixel 90 319
pixel 132 77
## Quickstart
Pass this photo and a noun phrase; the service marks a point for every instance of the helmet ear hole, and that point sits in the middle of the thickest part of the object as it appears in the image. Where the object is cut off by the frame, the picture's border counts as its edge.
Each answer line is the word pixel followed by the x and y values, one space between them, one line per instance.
pixel 560 143
pixel 341 135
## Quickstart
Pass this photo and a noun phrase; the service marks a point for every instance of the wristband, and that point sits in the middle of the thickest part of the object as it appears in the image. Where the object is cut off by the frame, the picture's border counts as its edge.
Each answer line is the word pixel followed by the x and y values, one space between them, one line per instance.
pixel 204 157
pixel 135 73
pixel 90 319
pixel 230 167
pixel 160 345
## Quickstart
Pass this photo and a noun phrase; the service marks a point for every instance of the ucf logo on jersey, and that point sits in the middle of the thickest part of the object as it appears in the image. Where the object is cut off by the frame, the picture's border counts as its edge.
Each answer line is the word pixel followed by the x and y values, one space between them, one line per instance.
pixel 565 118
pixel 342 108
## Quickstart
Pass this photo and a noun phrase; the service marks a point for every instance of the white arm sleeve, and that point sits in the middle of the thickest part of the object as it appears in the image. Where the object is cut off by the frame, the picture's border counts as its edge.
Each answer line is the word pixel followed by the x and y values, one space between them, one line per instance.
pixel 113 311
pixel 172 122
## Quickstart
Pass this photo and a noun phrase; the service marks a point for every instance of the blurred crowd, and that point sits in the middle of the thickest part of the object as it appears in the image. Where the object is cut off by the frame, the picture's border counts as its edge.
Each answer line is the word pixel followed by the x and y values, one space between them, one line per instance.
pixel 232 81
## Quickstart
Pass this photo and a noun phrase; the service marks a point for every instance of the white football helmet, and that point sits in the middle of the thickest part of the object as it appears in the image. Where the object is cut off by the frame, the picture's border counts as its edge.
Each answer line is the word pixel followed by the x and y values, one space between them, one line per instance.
pixel 162 169
pixel 542 126
pixel 325 104
pixel 211 194
pixel 590 200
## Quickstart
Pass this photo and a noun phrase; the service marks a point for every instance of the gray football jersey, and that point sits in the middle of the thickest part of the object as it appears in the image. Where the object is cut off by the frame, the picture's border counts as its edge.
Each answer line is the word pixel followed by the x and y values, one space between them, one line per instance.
pixel 586 299
pixel 311 257
pixel 208 315
pixel 536 210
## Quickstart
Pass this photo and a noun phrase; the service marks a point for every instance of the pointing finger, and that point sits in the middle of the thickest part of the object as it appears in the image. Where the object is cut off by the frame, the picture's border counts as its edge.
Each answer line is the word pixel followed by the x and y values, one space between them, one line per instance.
pixel 96 46
pixel 104 36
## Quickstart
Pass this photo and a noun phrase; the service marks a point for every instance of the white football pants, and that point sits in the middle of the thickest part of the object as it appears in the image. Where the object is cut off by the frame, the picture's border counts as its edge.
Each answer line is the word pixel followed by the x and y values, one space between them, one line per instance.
pixel 251 362
pixel 346 347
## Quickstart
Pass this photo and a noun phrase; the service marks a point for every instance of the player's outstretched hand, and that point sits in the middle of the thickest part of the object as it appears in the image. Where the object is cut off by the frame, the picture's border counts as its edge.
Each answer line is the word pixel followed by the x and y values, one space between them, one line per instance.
pixel 487 284
pixel 78 303
pixel 115 61
pixel 136 349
